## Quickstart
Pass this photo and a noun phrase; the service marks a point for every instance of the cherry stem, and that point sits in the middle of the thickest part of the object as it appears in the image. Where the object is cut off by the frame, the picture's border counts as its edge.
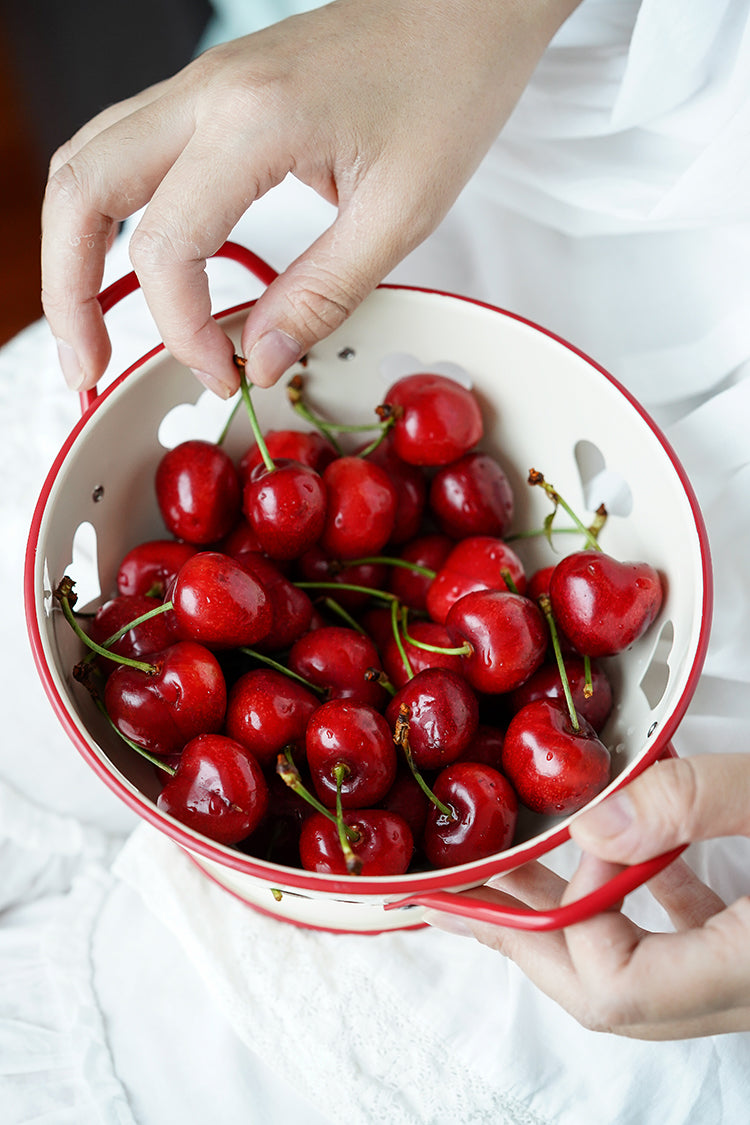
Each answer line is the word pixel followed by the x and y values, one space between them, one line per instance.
pixel 386 560
pixel 152 758
pixel 254 424
pixel 588 683
pixel 223 435
pixel 378 676
pixel 282 668
pixel 115 637
pixel 507 578
pixel 63 594
pixel 347 586
pixel 546 608
pixel 537 478
pixel 395 626
pixel 352 861
pixel 329 429
pixel 290 775
pixel 338 610
pixel 401 738
pixel 464 650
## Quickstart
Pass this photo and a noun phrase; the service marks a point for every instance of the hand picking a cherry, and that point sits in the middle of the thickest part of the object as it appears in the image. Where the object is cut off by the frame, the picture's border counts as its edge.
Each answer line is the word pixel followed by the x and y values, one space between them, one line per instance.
pixel 349 631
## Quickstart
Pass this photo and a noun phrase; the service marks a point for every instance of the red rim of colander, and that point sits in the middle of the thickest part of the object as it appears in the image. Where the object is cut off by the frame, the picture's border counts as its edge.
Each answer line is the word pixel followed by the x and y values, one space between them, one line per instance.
pixel 451 878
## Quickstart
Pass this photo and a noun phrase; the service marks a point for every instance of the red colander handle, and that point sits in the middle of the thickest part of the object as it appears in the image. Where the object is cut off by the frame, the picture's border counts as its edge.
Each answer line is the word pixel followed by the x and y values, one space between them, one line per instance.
pixel 520 918
pixel 128 284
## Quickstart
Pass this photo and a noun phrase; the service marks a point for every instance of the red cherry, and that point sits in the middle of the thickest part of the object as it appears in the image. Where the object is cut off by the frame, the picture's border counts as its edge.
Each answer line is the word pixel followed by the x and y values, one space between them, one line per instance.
pixel 554 769
pixel 151 636
pixel 338 658
pixel 538 584
pixel 240 539
pixel 411 490
pixel 485 812
pixel 603 605
pixel 407 798
pixel 267 711
pixel 218 603
pixel 150 567
pixel 443 716
pixel 428 551
pixel 361 508
pixel 437 419
pixel 162 710
pixel 218 789
pixel 486 747
pixel 385 845
pixel 307 448
pixel 198 492
pixel 285 507
pixel 507 634
pixel 356 736
pixel 475 563
pixel 546 683
pixel 472 496
pixel 291 608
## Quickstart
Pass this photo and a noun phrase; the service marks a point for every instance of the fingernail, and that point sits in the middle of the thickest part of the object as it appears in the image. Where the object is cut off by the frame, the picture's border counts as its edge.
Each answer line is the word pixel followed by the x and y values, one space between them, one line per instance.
pixel 71 368
pixel 272 355
pixel 611 818
pixel 215 384
pixel 448 923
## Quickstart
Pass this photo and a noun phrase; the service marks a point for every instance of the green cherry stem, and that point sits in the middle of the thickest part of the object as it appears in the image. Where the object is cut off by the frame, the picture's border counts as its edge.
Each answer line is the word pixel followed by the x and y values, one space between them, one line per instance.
pixel 312 585
pixel 290 775
pixel 537 478
pixel 546 608
pixel 401 738
pixel 386 560
pixel 254 424
pixel 338 610
pixel 352 861
pixel 263 659
pixel 507 578
pixel 152 758
pixel 223 435
pixel 64 596
pixel 115 637
pixel 396 627
pixel 463 650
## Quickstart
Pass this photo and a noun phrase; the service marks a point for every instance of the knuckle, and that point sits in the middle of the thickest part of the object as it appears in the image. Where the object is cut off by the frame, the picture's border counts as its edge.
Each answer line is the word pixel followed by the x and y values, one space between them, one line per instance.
pixel 322 304
pixel 65 187
pixel 152 248
pixel 673 798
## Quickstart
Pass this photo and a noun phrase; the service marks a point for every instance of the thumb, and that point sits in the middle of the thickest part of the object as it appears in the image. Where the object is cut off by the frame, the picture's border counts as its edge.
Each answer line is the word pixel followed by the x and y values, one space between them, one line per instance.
pixel 319 290
pixel 673 802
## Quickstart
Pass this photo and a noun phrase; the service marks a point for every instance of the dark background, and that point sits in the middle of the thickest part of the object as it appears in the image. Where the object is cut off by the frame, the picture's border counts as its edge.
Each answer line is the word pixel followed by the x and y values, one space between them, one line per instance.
pixel 60 63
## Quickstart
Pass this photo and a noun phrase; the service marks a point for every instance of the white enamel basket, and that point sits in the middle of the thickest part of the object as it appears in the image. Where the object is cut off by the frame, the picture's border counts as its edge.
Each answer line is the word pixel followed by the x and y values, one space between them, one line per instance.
pixel 546 406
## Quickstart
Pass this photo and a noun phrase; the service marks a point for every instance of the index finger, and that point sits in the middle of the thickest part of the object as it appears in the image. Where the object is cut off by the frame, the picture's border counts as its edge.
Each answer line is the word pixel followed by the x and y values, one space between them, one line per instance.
pixel 100 185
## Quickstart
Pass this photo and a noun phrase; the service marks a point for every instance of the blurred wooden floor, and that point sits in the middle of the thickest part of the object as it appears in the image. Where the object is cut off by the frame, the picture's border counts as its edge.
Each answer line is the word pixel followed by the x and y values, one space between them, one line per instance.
pixel 21 188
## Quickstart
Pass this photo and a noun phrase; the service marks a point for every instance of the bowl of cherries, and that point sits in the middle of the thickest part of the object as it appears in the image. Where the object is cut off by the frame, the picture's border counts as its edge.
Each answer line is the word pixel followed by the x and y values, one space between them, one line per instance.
pixel 376 634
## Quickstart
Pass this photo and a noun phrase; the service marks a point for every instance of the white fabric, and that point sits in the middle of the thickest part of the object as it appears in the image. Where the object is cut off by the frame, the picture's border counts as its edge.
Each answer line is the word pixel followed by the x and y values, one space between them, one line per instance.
pixel 133 991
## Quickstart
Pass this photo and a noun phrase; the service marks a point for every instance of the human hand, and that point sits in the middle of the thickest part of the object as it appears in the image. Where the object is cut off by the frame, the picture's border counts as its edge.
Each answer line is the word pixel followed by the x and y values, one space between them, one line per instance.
pixel 384 107
pixel 611 974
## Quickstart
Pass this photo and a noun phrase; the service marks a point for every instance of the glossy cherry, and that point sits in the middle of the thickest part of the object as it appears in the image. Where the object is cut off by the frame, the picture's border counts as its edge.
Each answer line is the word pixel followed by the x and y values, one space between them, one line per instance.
pixel 443 715
pixel 475 563
pixel 267 711
pixel 151 567
pixel 437 419
pixel 357 737
pixel 291 607
pixel 198 491
pixel 507 634
pixel 384 843
pixel 603 605
pixel 411 490
pixel 554 768
pixel 360 509
pixel 306 447
pixel 218 789
pixel 151 636
pixel 185 695
pixel 285 506
pixel 218 603
pixel 485 811
pixel 472 496
pixel 594 706
pixel 338 659
pixel 427 632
